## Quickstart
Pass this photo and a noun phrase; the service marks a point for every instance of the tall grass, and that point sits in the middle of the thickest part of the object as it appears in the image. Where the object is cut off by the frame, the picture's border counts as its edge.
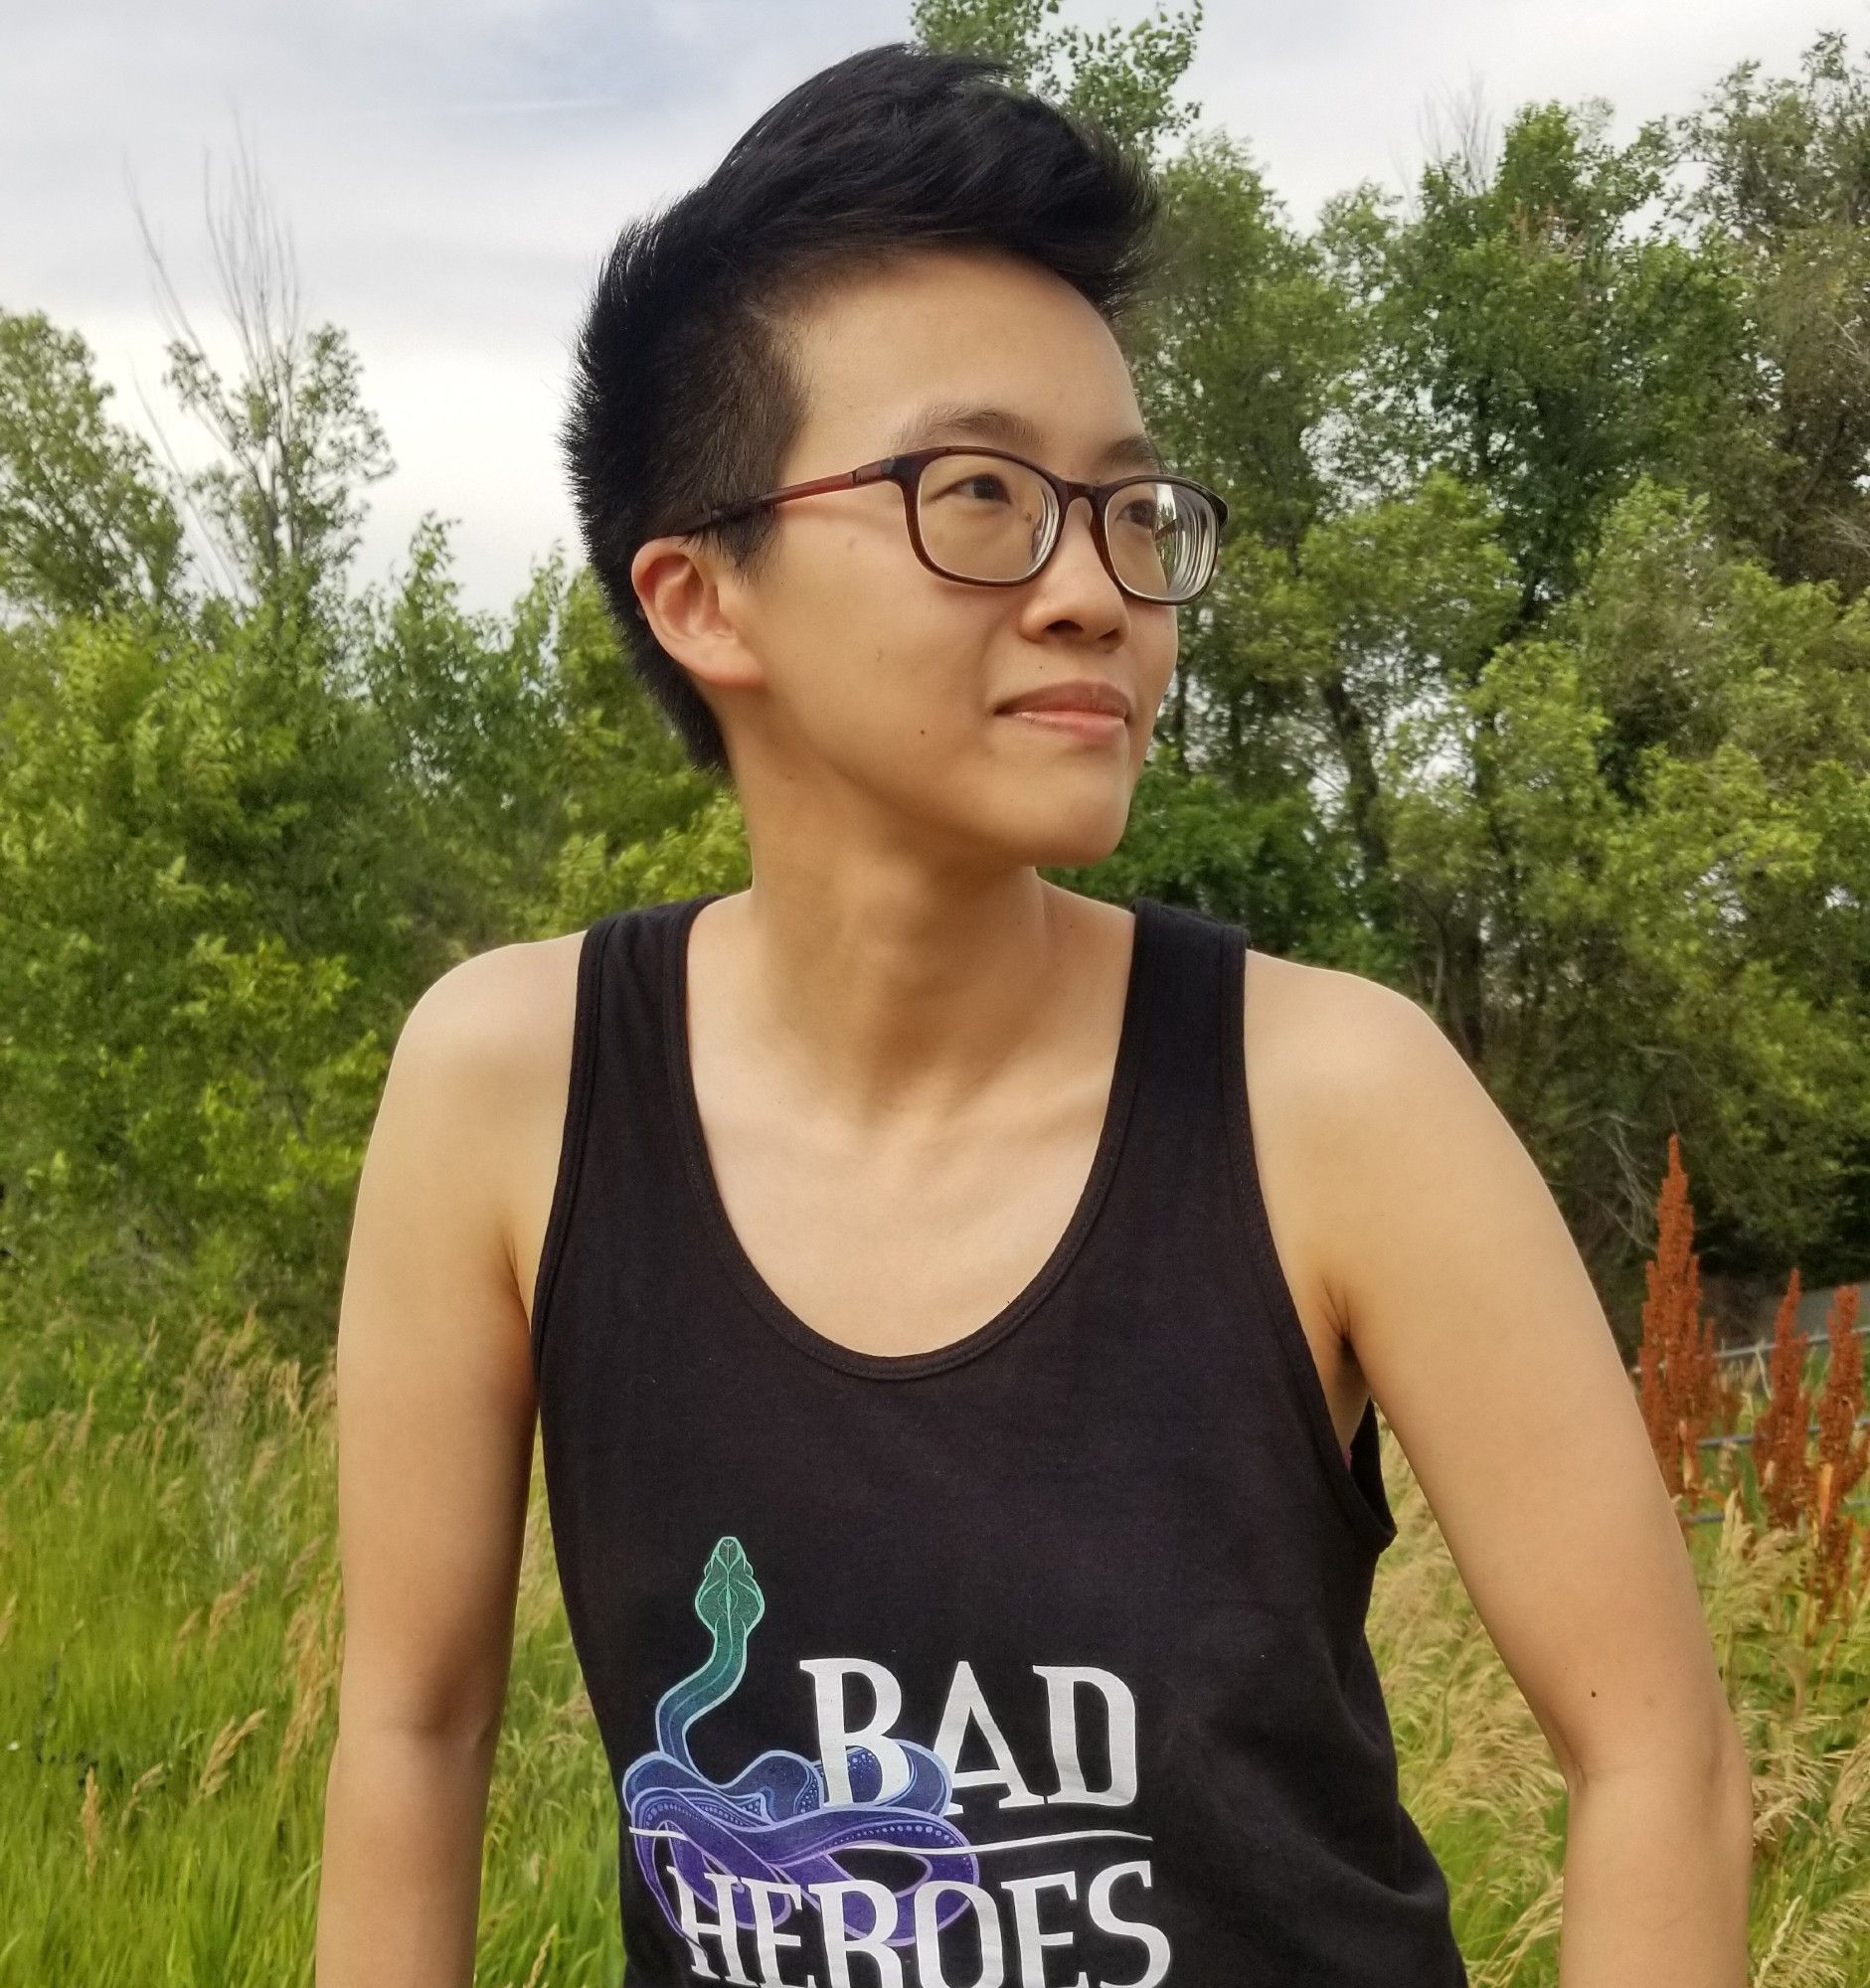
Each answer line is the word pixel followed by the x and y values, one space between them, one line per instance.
pixel 170 1622
pixel 169 1638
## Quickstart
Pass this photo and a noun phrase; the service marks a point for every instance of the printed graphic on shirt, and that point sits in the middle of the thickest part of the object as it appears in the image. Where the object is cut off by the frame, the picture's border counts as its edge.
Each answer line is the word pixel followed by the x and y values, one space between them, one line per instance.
pixel 750 1853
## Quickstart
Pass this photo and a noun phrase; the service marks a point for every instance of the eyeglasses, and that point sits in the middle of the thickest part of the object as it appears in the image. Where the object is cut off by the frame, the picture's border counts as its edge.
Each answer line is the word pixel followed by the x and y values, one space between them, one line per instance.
pixel 994 519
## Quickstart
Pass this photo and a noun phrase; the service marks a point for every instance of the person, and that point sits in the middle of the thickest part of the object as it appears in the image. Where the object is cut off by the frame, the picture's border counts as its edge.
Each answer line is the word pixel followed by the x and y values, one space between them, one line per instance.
pixel 955 1308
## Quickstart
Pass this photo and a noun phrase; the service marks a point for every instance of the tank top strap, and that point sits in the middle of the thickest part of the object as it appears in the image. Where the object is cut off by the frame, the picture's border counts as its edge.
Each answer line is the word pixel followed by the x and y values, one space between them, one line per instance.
pixel 1191 1182
pixel 619 1138
pixel 1186 1033
pixel 1174 1181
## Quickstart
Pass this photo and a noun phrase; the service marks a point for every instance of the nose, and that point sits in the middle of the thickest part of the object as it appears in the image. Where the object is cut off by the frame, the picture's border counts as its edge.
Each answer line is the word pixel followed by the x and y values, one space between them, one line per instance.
pixel 1065 523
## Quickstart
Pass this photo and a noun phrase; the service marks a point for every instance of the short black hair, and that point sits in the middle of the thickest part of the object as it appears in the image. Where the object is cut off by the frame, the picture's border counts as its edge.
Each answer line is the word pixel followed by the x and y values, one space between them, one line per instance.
pixel 684 392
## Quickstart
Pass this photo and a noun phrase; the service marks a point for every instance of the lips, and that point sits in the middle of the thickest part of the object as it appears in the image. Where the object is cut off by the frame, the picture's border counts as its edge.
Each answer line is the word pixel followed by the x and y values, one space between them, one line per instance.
pixel 1080 693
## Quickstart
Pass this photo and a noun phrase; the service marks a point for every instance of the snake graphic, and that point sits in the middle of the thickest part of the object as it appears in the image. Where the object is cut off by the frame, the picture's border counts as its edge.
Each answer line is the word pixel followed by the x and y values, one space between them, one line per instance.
pixel 773 1821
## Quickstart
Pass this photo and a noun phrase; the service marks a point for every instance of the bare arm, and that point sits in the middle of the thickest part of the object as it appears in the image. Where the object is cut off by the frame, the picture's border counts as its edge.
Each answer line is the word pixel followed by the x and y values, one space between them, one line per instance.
pixel 436 1416
pixel 1477 1328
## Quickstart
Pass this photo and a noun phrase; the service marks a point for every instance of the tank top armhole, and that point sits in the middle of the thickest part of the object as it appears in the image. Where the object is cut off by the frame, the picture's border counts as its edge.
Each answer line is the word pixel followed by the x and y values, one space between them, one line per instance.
pixel 1355 1482
pixel 571 1139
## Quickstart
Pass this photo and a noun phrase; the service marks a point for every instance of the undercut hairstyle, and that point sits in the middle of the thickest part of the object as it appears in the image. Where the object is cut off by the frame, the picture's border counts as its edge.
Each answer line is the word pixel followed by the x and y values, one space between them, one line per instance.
pixel 686 392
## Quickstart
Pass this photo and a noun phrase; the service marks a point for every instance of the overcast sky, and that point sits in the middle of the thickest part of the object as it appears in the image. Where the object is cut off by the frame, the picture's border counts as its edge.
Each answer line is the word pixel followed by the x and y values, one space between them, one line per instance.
pixel 452 175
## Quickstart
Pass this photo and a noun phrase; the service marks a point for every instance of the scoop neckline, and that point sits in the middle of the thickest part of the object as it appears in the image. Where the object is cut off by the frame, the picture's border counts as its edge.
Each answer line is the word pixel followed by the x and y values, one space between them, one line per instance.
pixel 744 1274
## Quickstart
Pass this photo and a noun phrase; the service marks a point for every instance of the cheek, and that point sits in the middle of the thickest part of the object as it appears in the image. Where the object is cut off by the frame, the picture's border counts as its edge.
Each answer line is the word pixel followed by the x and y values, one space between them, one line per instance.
pixel 897 656
pixel 915 697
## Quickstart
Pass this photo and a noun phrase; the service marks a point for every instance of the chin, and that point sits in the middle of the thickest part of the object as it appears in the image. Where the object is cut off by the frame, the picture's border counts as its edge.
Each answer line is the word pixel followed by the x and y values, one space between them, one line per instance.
pixel 1060 816
pixel 1073 844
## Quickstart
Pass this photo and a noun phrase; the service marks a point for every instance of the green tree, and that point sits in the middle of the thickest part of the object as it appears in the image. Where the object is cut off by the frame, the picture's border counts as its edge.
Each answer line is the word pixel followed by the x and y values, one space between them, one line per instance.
pixel 86 525
pixel 1785 191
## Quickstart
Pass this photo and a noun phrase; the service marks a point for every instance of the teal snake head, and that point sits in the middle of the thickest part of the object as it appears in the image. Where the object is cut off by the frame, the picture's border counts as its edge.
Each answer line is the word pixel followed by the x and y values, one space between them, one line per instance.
pixel 728 1599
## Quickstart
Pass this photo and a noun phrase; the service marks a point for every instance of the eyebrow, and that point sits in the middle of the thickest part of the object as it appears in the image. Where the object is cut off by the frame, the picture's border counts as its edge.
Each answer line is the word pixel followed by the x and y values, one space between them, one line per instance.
pixel 961 420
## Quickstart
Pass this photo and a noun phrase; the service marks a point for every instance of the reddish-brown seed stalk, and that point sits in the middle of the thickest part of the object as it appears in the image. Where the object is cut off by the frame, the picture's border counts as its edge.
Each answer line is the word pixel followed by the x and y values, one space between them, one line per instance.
pixel 1779 1429
pixel 1844 1453
pixel 1679 1387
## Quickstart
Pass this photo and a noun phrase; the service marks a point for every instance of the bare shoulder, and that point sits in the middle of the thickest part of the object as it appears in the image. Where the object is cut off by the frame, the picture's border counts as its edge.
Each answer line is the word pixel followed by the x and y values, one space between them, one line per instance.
pixel 1336 1063
pixel 485 1011
pixel 1419 1218
pixel 492 1040
pixel 1342 1043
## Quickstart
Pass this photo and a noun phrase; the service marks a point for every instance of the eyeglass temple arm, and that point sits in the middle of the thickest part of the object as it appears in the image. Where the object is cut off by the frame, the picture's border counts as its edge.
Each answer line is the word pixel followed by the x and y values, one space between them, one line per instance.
pixel 867 472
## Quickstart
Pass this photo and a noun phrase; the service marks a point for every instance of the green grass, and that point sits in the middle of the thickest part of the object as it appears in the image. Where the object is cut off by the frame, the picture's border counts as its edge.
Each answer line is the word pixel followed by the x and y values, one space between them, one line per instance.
pixel 170 1623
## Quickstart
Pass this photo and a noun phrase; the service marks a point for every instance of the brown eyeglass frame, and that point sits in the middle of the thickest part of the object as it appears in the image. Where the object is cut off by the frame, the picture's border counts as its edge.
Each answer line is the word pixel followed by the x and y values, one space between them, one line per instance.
pixel 904 471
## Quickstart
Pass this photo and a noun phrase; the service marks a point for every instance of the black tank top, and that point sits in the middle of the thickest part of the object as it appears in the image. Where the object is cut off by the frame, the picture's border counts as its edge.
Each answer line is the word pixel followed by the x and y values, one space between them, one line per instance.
pixel 1035 1660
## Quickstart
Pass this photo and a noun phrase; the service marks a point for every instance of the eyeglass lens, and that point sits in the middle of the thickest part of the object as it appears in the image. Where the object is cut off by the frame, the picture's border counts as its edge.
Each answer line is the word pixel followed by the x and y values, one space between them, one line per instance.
pixel 985 518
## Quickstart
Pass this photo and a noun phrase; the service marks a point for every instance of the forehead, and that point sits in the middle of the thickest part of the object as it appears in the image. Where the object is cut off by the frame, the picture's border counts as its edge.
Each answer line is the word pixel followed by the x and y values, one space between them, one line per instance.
pixel 951 346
